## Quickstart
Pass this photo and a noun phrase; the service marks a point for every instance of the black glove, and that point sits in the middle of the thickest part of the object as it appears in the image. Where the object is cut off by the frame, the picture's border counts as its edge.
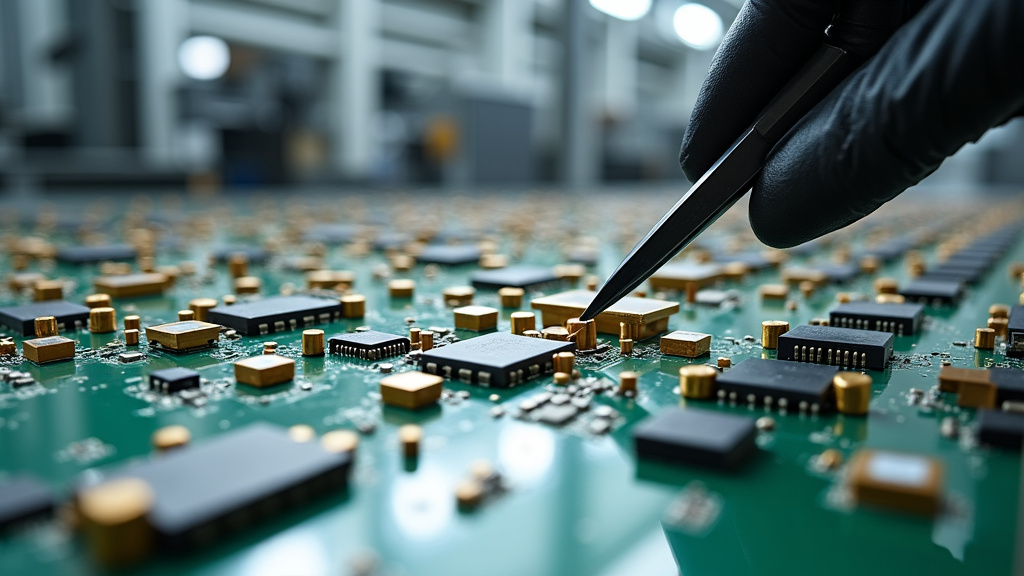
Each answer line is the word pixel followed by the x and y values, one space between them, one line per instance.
pixel 951 72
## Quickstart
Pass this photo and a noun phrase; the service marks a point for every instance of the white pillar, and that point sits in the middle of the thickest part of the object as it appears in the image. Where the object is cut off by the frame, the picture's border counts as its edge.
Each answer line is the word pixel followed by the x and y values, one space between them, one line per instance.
pixel 162 27
pixel 355 88
pixel 508 41
pixel 620 67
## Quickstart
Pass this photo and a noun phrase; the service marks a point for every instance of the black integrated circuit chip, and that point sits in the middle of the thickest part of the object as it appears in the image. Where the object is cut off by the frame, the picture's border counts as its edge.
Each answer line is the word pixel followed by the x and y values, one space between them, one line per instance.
pixel 846 347
pixel 171 380
pixel 93 254
pixel 499 359
pixel 252 473
pixel 23 498
pixel 1015 332
pixel 368 345
pixel 776 380
pixel 902 319
pixel 1003 429
pixel 941 292
pixel 449 255
pixel 70 316
pixel 1009 383
pixel 513 276
pixel 698 437
pixel 276 314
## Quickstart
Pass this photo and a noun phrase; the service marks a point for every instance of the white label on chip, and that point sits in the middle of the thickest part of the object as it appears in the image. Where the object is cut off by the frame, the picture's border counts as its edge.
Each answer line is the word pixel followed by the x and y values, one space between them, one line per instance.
pixel 898 469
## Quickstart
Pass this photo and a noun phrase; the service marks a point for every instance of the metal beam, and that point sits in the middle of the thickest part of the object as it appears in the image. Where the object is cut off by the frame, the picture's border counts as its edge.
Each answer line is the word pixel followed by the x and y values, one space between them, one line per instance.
pixel 355 87
pixel 264 28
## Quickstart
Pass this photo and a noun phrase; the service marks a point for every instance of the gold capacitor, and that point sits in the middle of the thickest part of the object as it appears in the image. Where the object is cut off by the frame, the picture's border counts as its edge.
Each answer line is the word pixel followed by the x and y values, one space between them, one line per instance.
pixel 131 337
pixel 1000 325
pixel 890 298
pixel 102 320
pixel 313 342
pixel 999 311
pixel 691 292
pixel 853 392
pixel 627 381
pixel 46 326
pixel 583 332
pixel 724 362
pixel 229 299
pixel 184 315
pixel 97 300
pixel 401 288
pixel 511 297
pixel 353 306
pixel 238 265
pixel 248 285
pixel 301 433
pixel 886 286
pixel 201 306
pixel 340 441
pixel 563 362
pixel 532 334
pixel 132 321
pixel 8 347
pixel 409 436
pixel 270 347
pixel 113 516
pixel 770 332
pixel 697 381
pixel 469 494
pixel 869 264
pixel 562 378
pixel 555 333
pixel 984 338
pixel 629 330
pixel 45 290
pixel 170 437
pixel 426 340
pixel 626 346
pixel 523 321
pixel 414 337
pixel 807 288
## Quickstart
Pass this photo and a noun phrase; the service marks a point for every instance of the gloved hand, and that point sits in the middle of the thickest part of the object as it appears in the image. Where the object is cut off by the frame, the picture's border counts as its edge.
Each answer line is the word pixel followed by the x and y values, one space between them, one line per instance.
pixel 947 75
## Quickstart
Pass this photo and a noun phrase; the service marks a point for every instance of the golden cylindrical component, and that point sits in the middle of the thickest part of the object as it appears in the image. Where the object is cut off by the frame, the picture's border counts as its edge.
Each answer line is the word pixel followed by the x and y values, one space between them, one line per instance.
pixel 562 378
pixel 691 292
pixel 627 381
pixel 414 336
pixel 270 347
pixel 339 441
pixel 132 321
pixel 102 320
pixel 533 334
pixel 46 326
pixel 626 346
pixel 410 436
pixel 469 494
pixel 426 340
pixel 201 306
pixel 131 337
pixel 999 311
pixel 511 297
pixel 984 338
pixel 886 286
pixel 113 516
pixel 1000 325
pixel 591 282
pixel 629 330
pixel 523 321
pixel 563 362
pixel 853 392
pixel 147 264
pixel 238 265
pixel 313 342
pixel 555 333
pixel 184 315
pixel 8 348
pixel 724 362
pixel 807 288
pixel 869 264
pixel 583 332
pixel 353 306
pixel 458 295
pixel 97 300
pixel 170 437
pixel 229 299
pixel 770 332
pixel 248 285
pixel 697 381
pixel 401 288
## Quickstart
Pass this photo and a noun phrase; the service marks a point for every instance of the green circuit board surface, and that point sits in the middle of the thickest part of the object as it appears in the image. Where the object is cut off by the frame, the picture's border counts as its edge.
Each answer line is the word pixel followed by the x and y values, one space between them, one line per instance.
pixel 575 502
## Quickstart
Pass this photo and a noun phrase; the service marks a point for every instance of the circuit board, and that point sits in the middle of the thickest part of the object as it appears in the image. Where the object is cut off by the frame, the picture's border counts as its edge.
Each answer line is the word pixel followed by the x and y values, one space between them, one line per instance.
pixel 467 449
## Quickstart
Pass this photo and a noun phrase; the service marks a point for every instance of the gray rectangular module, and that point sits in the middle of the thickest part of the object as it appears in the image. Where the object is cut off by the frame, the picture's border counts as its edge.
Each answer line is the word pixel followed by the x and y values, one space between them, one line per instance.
pixel 761 379
pixel 276 314
pixel 513 276
pixel 902 319
pixel 698 437
pixel 499 359
pixel 232 481
pixel 23 498
pixel 1015 332
pixel 937 291
pixel 93 254
pixel 70 317
pixel 835 346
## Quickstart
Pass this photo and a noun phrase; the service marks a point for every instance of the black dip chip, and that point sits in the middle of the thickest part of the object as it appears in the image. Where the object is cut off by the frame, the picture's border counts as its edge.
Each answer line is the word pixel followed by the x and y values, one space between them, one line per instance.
pixel 846 347
pixel 513 276
pixel 255 254
pixel 23 498
pixel 941 292
pixel 70 317
pixel 250 473
pixel 900 319
pixel 449 255
pixel 170 380
pixel 779 380
pixel 698 437
pixel 1009 383
pixel 276 314
pixel 368 345
pixel 93 254
pixel 1015 332
pixel 1003 429
pixel 499 359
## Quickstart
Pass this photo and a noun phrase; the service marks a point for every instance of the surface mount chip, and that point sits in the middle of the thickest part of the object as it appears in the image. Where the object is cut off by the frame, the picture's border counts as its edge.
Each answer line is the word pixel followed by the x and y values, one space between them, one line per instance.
pixel 23 498
pixel 1003 429
pixel 846 347
pixel 449 255
pixel 276 314
pixel 779 380
pixel 132 285
pixel 368 345
pixel 255 254
pixel 699 437
pixel 499 359
pixel 92 254
pixel 941 292
pixel 48 349
pixel 184 335
pixel 907 482
pixel 900 319
pixel 70 316
pixel 650 314
pixel 513 276
pixel 170 380
pixel 199 494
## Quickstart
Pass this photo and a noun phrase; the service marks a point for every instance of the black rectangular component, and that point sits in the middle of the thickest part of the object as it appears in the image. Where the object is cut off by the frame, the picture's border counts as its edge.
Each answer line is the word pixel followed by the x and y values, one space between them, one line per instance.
pixel 779 380
pixel 846 347
pixel 70 316
pixel 276 314
pixel 1009 383
pixel 255 254
pixel 23 498
pixel 248 473
pixel 900 319
pixel 1015 332
pixel 449 255
pixel 499 359
pixel 368 345
pixel 171 380
pixel 1003 429
pixel 93 254
pixel 698 437
pixel 513 276
pixel 941 292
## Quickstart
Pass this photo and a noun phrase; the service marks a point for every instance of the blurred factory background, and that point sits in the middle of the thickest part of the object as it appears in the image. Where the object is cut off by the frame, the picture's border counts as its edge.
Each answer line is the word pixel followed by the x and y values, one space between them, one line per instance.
pixel 453 93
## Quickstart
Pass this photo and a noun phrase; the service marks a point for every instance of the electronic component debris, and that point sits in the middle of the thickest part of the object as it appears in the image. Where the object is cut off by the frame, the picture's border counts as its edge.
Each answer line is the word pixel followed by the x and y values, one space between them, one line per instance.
pixel 846 347
pixel 1002 429
pixel 368 345
pixel 476 318
pixel 895 480
pixel 783 384
pixel 22 499
pixel 498 359
pixel 649 314
pixel 171 380
pixel 411 390
pixel 900 319
pixel 196 492
pixel 70 316
pixel 940 292
pixel 686 344
pixel 276 314
pixel 183 336
pixel 699 437
pixel 513 277
pixel 94 254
